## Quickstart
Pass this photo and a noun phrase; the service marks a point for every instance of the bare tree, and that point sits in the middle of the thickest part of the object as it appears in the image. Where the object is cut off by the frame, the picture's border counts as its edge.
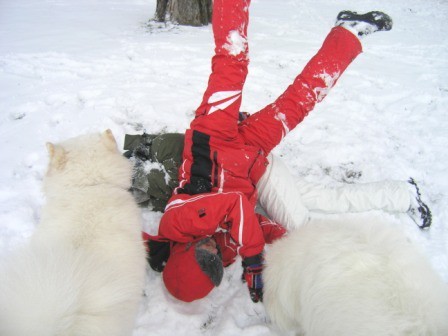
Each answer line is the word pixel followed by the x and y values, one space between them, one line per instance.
pixel 185 12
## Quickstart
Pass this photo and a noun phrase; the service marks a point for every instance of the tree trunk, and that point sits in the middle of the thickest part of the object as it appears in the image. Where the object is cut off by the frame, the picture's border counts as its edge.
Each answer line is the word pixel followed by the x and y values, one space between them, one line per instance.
pixel 185 12
pixel 161 10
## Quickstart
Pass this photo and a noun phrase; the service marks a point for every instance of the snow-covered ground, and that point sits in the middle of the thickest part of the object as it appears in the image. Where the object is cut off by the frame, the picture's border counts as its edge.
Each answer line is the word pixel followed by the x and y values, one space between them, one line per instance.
pixel 71 67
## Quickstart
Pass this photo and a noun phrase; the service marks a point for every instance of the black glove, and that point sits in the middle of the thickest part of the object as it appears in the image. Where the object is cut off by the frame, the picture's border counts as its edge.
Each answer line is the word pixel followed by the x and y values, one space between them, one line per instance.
pixel 252 275
pixel 158 254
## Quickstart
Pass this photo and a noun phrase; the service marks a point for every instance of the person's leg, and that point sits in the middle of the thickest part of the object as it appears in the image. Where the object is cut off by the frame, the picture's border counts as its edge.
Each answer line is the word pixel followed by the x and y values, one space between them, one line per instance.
pixel 391 196
pixel 266 128
pixel 216 119
pixel 279 195
pixel 217 116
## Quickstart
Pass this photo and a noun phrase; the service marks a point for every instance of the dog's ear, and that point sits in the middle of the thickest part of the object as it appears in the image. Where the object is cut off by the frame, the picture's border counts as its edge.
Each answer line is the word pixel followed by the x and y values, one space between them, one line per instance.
pixel 58 157
pixel 109 141
pixel 50 149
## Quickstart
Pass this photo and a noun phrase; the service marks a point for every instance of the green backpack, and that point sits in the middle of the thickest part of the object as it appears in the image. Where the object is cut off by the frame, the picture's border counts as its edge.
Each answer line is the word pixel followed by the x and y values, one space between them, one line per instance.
pixel 156 158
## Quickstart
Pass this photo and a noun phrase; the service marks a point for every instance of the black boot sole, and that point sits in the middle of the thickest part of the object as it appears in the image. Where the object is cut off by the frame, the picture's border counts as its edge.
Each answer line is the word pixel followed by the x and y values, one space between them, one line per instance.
pixel 380 20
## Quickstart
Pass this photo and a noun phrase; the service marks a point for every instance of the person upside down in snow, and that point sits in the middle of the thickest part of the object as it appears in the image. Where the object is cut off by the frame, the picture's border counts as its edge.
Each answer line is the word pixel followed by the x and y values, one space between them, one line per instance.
pixel 210 218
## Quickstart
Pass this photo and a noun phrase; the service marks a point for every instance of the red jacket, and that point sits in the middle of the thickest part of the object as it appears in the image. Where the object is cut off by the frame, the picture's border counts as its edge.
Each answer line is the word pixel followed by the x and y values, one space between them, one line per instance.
pixel 224 165
pixel 189 217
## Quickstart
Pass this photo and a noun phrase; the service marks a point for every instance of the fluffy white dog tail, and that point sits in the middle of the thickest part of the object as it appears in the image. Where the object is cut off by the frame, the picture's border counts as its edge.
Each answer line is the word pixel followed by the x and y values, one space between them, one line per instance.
pixel 59 291
pixel 365 278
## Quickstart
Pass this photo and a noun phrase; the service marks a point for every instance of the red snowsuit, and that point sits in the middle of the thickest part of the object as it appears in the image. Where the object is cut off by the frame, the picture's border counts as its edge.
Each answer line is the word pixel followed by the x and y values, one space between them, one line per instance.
pixel 224 159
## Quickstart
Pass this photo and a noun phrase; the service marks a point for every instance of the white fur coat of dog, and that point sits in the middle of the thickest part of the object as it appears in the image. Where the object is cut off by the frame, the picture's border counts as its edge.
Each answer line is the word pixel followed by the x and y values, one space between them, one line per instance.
pixel 353 279
pixel 82 274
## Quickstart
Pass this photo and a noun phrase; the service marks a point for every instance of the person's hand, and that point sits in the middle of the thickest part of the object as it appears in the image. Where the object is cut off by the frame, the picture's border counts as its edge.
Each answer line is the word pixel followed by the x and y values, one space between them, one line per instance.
pixel 252 275
pixel 158 254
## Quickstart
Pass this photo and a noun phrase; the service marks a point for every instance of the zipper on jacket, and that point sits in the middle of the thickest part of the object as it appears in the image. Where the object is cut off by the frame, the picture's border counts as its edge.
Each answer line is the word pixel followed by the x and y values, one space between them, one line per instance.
pixel 253 163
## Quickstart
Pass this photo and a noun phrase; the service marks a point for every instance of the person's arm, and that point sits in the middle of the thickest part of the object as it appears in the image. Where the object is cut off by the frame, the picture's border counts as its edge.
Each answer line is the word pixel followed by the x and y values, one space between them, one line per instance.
pixel 189 217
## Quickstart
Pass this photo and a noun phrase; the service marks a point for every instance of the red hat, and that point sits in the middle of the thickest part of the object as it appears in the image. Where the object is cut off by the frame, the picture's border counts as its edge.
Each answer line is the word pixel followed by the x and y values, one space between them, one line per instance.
pixel 183 277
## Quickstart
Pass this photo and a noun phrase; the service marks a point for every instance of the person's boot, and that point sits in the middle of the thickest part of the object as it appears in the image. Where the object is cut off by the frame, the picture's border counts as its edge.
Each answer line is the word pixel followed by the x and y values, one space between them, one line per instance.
pixel 419 211
pixel 364 24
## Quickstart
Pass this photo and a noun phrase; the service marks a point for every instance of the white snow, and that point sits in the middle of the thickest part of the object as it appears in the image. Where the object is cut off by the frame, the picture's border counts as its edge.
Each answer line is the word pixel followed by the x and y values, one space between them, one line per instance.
pixel 149 165
pixel 236 43
pixel 329 80
pixel 282 118
pixel 71 67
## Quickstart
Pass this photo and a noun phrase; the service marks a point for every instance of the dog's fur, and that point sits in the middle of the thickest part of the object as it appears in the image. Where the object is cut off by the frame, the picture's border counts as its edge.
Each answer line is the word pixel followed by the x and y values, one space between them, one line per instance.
pixel 82 273
pixel 330 278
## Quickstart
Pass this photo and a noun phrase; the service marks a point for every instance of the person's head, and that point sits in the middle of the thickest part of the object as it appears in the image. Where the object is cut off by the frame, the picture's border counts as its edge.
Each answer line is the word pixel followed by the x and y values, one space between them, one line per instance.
pixel 193 269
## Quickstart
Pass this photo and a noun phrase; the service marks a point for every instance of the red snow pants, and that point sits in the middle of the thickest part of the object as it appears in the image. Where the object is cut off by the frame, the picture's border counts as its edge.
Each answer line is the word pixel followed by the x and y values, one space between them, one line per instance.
pixel 222 154
pixel 218 113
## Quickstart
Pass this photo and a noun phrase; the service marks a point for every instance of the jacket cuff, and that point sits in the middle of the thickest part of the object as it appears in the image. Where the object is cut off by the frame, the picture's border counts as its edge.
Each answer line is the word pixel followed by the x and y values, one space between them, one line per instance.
pixel 253 260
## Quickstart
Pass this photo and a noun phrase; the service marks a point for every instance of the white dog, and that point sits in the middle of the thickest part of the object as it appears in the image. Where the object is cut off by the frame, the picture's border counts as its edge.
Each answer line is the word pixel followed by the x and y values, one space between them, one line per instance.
pixel 82 273
pixel 331 279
